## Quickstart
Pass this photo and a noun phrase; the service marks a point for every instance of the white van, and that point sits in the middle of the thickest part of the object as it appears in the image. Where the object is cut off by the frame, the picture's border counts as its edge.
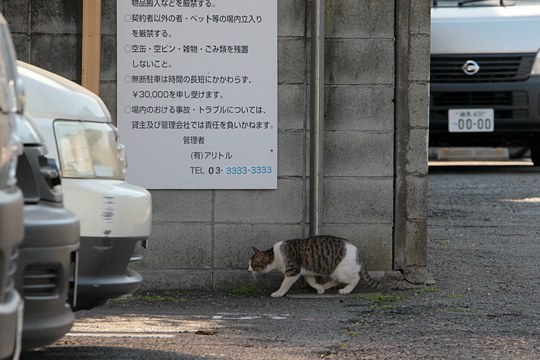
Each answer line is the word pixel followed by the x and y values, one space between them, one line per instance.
pixel 114 215
pixel 485 74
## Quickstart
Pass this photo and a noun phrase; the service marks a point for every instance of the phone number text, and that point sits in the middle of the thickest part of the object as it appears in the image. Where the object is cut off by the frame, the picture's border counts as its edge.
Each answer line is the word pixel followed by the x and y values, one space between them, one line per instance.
pixel 233 170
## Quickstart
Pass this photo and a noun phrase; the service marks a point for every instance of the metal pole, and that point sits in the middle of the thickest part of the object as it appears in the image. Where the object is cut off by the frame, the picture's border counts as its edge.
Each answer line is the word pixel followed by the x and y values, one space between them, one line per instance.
pixel 316 118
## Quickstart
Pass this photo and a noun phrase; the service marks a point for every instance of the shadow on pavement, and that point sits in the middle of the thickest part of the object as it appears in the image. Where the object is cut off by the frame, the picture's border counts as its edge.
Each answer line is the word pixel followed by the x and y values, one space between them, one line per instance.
pixel 100 352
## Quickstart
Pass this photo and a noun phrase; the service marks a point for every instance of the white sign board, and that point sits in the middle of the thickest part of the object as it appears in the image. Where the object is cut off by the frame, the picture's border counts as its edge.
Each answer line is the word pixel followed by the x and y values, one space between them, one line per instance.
pixel 197 93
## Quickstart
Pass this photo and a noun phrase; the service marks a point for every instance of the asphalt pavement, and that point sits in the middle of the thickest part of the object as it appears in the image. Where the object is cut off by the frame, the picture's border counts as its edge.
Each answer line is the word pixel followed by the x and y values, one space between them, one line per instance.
pixel 484 247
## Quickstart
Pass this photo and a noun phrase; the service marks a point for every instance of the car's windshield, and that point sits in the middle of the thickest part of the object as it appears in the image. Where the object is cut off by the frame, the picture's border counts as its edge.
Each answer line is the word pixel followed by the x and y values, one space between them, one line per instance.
pixel 8 105
pixel 455 3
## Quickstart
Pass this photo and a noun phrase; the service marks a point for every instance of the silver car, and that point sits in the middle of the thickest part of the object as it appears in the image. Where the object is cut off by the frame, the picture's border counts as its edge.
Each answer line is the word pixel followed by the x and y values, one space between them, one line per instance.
pixel 11 204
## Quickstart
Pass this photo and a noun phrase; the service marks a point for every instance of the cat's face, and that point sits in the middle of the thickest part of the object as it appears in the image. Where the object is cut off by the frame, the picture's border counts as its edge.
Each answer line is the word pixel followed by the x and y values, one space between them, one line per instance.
pixel 260 261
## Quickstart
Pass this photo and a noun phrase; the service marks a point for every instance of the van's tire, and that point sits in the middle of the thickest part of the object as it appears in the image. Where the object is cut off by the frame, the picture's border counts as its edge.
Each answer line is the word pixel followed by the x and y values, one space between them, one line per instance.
pixel 517 152
pixel 535 155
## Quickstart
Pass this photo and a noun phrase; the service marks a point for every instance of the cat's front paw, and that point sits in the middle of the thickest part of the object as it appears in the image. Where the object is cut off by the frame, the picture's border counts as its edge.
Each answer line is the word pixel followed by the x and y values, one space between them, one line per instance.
pixel 276 294
pixel 320 290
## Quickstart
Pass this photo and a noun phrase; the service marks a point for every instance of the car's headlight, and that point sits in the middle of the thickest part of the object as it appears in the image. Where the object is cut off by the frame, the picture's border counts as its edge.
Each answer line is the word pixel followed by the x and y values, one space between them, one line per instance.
pixel 88 150
pixel 122 154
pixel 10 150
pixel 16 151
pixel 536 65
pixel 5 154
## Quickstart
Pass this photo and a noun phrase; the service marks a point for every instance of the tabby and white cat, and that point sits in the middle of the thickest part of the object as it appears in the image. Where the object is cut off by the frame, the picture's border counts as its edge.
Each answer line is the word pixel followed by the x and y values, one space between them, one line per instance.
pixel 314 256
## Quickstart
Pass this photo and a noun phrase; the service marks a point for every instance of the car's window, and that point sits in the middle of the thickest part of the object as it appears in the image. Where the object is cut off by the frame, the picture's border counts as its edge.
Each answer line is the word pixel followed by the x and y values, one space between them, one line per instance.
pixel 4 78
pixel 8 106
pixel 8 71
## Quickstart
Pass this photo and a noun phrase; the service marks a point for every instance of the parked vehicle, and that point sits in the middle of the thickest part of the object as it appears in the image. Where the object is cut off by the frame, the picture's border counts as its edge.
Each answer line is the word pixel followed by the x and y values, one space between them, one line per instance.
pixel 47 265
pixel 485 74
pixel 114 214
pixel 11 202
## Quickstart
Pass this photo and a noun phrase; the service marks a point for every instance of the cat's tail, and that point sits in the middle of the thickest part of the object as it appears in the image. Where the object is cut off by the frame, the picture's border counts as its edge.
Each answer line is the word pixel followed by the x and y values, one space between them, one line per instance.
pixel 369 281
pixel 366 278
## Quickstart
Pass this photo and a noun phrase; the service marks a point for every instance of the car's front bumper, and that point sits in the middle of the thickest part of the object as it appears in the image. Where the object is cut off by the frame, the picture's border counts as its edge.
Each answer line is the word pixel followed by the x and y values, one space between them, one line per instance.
pixel 516 108
pixel 104 272
pixel 11 318
pixel 11 304
pixel 45 268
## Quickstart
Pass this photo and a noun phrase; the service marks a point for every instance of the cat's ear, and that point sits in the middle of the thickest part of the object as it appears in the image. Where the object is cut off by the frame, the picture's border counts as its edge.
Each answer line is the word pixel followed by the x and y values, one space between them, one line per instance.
pixel 257 251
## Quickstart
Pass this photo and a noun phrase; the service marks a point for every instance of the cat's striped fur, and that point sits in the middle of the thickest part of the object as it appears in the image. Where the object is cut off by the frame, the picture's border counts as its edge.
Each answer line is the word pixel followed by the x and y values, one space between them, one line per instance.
pixel 311 257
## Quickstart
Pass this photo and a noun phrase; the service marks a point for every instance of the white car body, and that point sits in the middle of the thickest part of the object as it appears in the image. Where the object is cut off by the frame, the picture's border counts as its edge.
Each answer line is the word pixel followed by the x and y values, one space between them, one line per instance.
pixel 485 75
pixel 477 30
pixel 132 207
pixel 11 199
pixel 114 214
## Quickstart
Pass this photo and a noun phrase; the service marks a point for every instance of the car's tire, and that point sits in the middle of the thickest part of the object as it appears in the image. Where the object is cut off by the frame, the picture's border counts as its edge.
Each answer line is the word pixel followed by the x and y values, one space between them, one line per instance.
pixel 535 155
pixel 517 152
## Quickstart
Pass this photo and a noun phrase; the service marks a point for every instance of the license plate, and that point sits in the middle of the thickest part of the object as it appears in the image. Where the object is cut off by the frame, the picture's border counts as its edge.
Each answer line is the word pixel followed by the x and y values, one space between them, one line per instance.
pixel 471 120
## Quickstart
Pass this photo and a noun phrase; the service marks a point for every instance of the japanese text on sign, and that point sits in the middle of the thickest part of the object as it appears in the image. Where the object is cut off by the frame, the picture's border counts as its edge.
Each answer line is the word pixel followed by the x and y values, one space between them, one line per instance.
pixel 197 92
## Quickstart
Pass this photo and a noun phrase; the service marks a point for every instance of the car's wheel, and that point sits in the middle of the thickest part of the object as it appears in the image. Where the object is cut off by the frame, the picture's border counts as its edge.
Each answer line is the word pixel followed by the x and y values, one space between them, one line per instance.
pixel 535 155
pixel 517 152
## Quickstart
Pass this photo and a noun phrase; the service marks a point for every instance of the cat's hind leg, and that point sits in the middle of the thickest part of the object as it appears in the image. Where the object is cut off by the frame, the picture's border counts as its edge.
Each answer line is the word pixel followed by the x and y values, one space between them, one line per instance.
pixel 350 286
pixel 312 281
pixel 285 285
pixel 330 284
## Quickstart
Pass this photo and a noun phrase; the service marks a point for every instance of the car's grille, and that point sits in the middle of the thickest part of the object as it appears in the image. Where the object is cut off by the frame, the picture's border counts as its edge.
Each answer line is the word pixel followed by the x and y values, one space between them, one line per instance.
pixel 506 104
pixel 40 281
pixel 480 99
pixel 493 68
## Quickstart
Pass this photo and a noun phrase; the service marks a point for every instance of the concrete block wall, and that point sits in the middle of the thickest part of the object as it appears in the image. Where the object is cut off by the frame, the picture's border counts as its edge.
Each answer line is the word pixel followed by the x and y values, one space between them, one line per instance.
pixel 411 124
pixel 47 33
pixel 376 102
pixel 359 131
